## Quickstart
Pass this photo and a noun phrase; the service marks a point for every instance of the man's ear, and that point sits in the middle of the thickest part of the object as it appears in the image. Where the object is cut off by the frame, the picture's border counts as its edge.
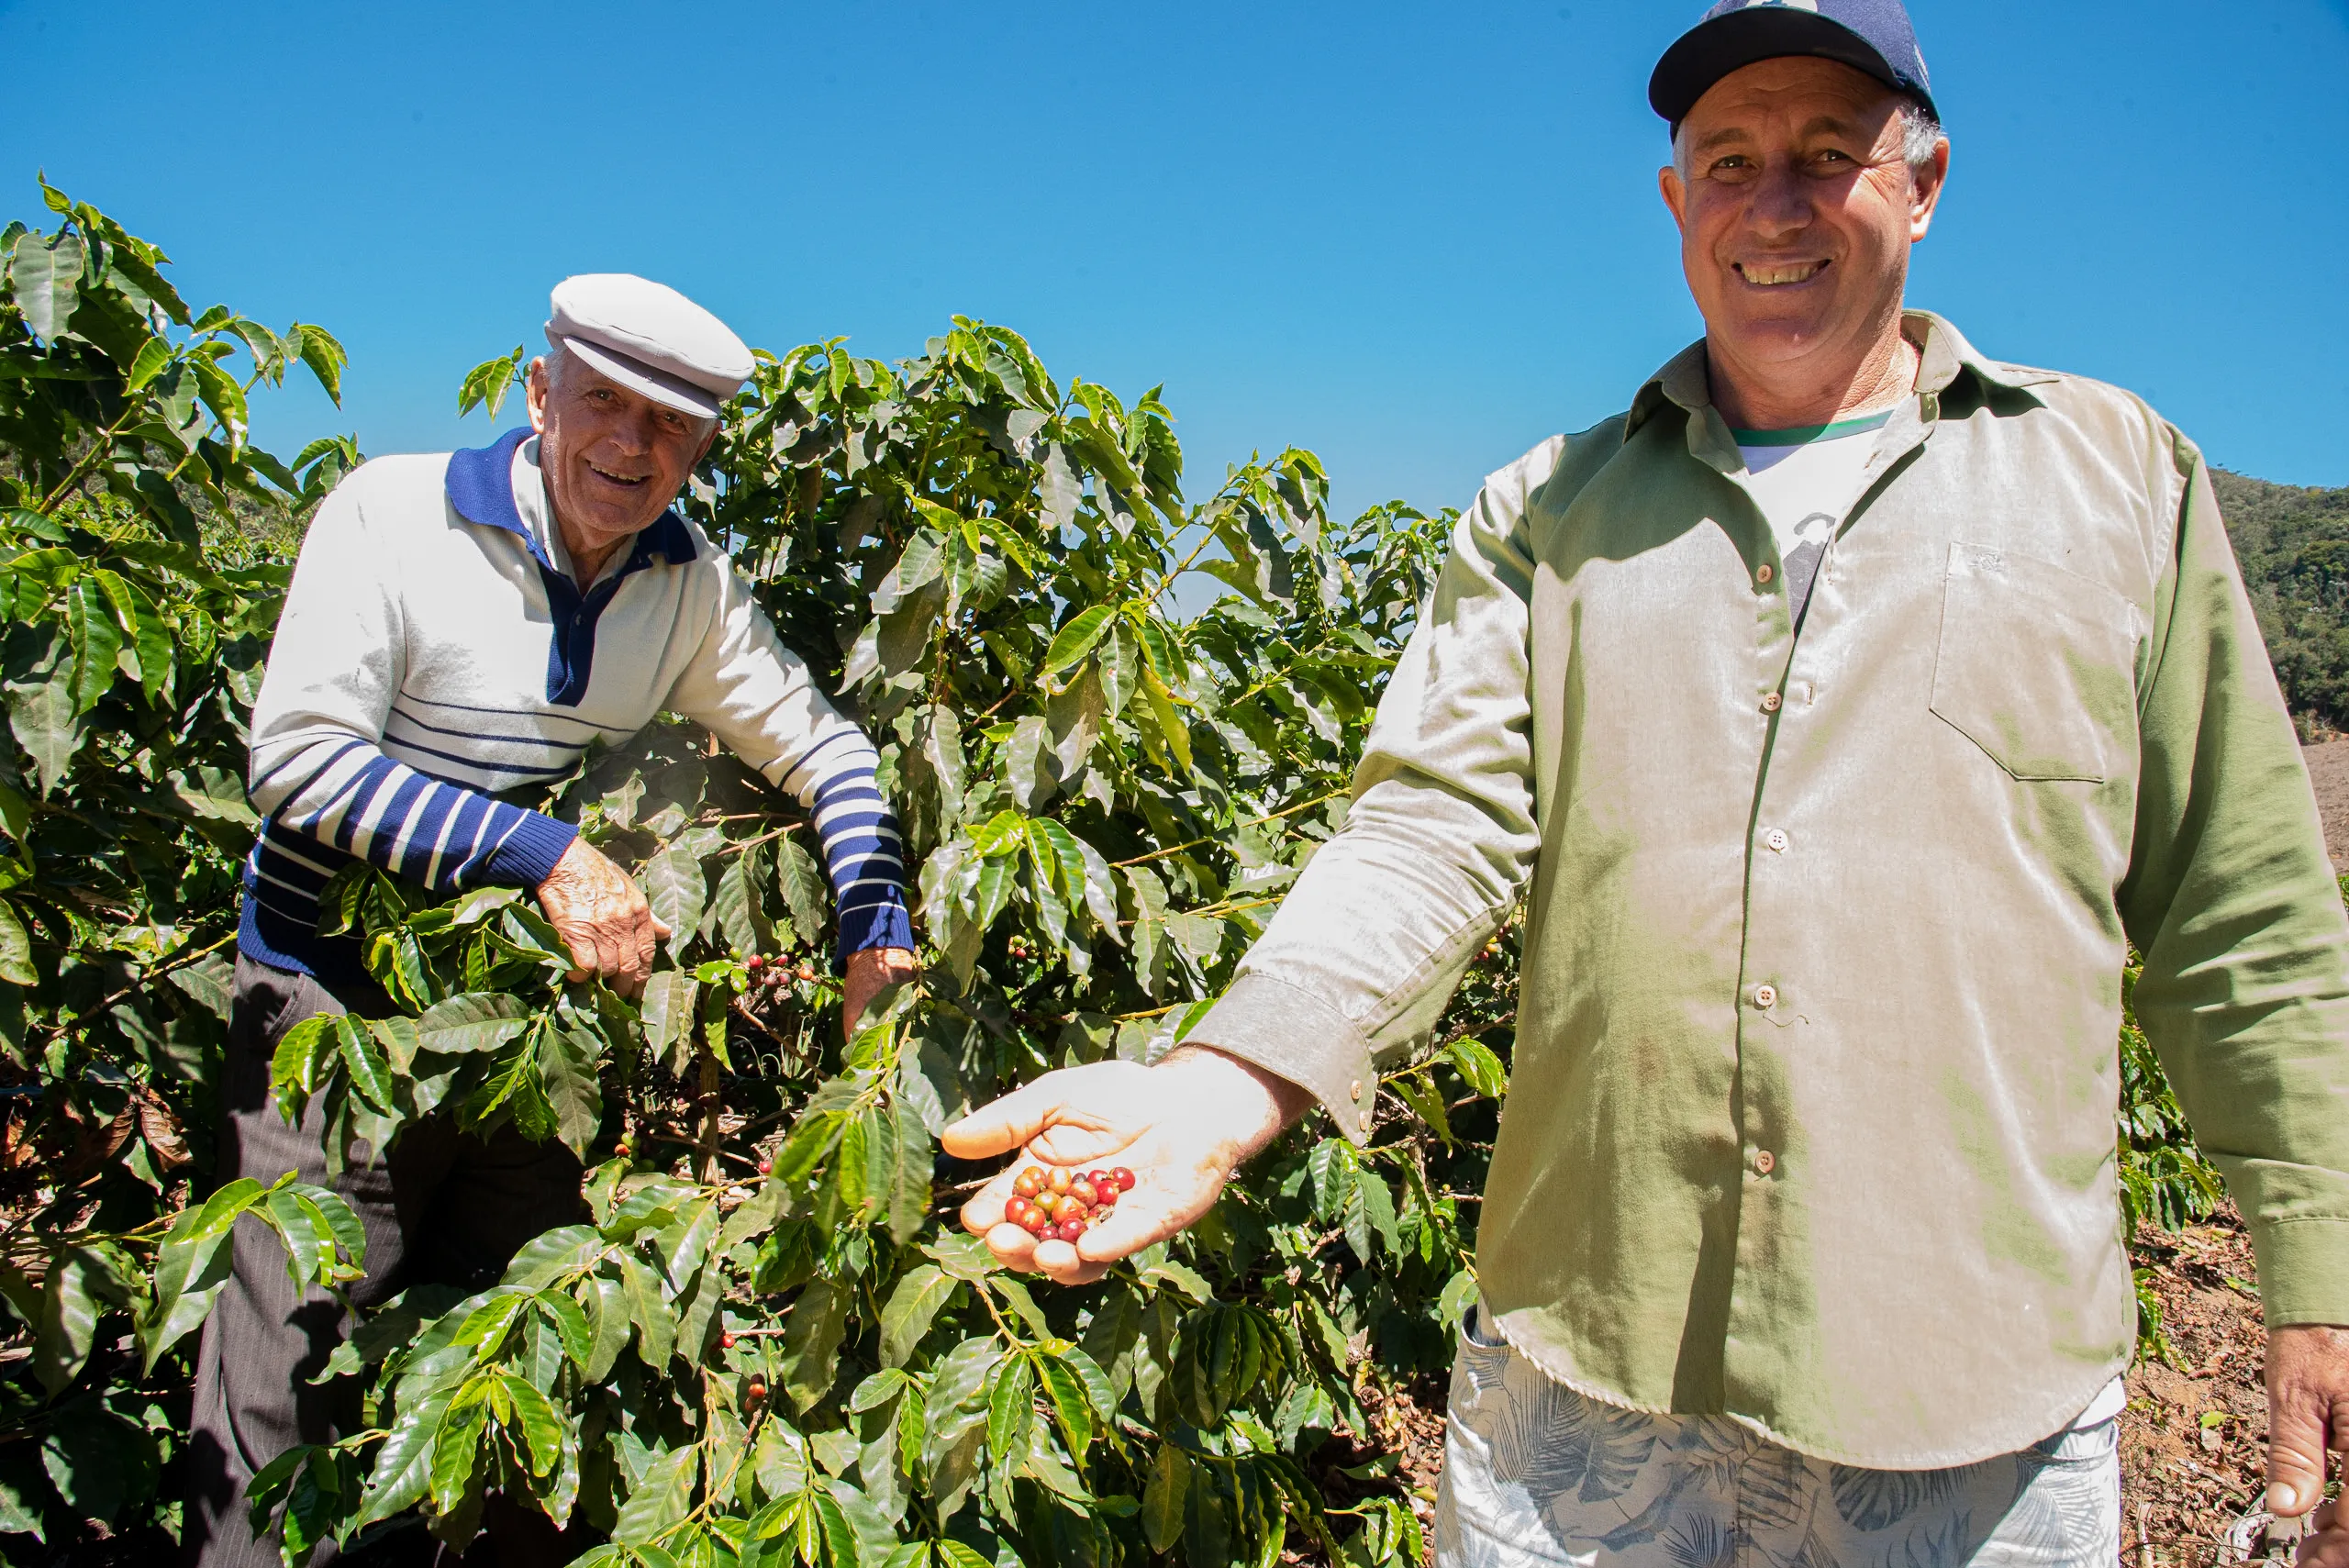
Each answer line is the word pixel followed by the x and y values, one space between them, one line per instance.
pixel 1676 195
pixel 535 393
pixel 708 439
pixel 1926 185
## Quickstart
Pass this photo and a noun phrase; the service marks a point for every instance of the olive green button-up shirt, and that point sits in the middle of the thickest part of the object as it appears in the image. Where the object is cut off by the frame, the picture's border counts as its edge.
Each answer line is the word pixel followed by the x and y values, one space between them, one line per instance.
pixel 1812 1114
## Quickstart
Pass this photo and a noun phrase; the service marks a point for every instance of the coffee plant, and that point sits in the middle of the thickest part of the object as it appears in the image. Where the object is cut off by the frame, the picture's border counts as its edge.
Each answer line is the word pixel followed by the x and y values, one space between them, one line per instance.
pixel 770 1343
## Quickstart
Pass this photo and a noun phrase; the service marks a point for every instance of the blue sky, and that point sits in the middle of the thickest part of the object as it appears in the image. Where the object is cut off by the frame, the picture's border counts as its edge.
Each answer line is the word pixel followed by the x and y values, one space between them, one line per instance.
pixel 1415 239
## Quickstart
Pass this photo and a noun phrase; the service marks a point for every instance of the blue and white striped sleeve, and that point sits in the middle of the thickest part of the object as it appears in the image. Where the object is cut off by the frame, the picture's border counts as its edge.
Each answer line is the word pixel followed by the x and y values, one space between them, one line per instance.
pixel 346 793
pixel 756 696
pixel 317 767
pixel 864 852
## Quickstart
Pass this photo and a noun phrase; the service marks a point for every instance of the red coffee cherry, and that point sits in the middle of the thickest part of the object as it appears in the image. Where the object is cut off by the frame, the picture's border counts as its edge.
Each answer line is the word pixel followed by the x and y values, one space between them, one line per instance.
pixel 1040 1225
pixel 726 1340
pixel 756 1391
pixel 1018 1210
pixel 754 962
pixel 1058 1179
pixel 1108 1195
pixel 1028 1182
pixel 1124 1178
pixel 1085 1192
pixel 767 1167
pixel 1070 1229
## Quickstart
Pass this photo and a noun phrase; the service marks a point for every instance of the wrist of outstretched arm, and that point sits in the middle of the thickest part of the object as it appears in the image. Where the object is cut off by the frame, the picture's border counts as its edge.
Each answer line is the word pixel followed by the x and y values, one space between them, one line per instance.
pixel 527 856
pixel 1297 1037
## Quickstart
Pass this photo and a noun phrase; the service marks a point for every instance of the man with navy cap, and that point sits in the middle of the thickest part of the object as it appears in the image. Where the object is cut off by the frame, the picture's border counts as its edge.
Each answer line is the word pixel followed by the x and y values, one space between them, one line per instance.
pixel 459 626
pixel 1846 710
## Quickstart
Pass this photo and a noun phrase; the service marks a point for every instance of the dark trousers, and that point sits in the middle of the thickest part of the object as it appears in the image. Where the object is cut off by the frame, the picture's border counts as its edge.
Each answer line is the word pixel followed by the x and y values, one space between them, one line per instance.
pixel 444 1208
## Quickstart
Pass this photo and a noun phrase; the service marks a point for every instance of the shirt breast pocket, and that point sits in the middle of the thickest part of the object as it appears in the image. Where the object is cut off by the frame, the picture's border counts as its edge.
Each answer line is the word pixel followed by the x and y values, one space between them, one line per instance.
pixel 2037 665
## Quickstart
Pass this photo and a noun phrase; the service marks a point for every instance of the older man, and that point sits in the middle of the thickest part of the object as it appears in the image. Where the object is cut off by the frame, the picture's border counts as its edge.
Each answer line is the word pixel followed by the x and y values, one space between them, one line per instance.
pixel 1850 703
pixel 459 626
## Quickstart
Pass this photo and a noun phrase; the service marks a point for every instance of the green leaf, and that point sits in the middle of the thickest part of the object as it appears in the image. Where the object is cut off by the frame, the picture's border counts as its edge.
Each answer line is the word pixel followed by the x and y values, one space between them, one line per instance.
pixel 294 1069
pixel 811 1342
pixel 659 1498
pixel 568 1058
pixel 403 1469
pixel 608 1304
pixel 471 1022
pixel 542 1429
pixel 1075 641
pixel 1479 1066
pixel 97 641
pixel 1161 1498
pixel 911 1310
pixel 154 355
pixel 45 275
pixel 1011 1408
pixel 488 383
pixel 326 357
pixel 369 1073
pixel 673 885
pixel 72 1297
pixel 804 889
pixel 15 950
pixel 210 982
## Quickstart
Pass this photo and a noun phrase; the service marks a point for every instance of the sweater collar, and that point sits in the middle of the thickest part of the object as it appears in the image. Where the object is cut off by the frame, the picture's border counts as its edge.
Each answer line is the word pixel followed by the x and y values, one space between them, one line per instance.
pixel 481 488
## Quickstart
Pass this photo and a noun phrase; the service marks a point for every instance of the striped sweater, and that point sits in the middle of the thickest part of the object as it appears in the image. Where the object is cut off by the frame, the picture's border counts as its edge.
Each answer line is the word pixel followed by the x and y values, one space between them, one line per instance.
pixel 435 651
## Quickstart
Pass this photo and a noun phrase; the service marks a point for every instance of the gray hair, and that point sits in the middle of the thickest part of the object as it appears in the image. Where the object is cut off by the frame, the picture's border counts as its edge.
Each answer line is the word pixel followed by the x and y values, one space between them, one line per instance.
pixel 1920 133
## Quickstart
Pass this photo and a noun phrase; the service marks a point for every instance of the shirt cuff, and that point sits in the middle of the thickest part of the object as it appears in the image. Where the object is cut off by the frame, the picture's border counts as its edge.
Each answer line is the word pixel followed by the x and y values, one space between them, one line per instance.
pixel 2303 1270
pixel 1292 1035
pixel 525 857
pixel 883 925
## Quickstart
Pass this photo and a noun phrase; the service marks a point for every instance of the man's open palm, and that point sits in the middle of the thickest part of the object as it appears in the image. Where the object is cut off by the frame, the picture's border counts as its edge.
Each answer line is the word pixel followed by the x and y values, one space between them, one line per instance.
pixel 1180 1128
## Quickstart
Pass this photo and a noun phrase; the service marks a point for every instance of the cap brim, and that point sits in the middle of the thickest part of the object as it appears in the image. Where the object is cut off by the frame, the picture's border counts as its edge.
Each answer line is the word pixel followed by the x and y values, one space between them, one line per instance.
pixel 638 376
pixel 1711 51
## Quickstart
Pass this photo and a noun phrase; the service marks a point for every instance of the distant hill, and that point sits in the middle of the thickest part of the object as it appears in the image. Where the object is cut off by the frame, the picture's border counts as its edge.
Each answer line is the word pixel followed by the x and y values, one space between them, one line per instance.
pixel 2293 545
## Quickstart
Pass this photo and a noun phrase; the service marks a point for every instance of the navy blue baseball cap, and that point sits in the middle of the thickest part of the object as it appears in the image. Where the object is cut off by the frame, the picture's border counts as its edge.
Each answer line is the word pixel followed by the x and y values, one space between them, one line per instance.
pixel 1872 35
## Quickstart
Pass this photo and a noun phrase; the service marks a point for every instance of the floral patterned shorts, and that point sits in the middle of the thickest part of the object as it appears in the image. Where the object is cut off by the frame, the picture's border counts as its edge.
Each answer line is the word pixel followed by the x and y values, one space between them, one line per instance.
pixel 1536 1475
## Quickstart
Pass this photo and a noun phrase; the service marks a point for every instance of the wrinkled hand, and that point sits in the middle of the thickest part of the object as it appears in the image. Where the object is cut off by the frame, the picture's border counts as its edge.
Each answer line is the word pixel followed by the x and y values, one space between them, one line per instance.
pixel 602 916
pixel 1180 1126
pixel 2308 1412
pixel 869 971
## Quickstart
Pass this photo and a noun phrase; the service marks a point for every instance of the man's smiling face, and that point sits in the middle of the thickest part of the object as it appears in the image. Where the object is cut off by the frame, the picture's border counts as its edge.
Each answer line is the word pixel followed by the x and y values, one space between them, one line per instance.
pixel 1796 207
pixel 613 458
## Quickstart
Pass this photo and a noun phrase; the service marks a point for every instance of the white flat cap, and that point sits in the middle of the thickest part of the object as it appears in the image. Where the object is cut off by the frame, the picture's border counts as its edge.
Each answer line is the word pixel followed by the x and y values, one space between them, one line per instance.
pixel 649 338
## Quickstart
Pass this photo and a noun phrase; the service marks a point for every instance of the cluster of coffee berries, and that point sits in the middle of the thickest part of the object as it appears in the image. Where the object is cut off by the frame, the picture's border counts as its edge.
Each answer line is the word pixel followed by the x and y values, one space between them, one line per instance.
pixel 777 975
pixel 1059 1204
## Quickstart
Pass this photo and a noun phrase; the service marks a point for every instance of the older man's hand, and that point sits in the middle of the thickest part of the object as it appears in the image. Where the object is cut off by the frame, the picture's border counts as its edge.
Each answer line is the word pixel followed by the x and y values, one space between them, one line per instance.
pixel 869 971
pixel 1180 1126
pixel 602 916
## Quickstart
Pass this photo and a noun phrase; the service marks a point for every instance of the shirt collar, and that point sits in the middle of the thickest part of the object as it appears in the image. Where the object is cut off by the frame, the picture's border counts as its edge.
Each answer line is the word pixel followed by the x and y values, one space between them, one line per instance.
pixel 1943 350
pixel 481 488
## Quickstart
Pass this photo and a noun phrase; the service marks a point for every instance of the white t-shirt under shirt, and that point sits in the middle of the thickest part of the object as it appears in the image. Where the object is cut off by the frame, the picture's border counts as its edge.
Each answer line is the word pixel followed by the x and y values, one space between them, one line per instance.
pixel 1804 481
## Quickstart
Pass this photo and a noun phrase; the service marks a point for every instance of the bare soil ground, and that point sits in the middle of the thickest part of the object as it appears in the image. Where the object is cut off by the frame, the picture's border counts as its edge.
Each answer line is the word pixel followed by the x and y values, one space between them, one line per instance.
pixel 2193 1439
pixel 2328 763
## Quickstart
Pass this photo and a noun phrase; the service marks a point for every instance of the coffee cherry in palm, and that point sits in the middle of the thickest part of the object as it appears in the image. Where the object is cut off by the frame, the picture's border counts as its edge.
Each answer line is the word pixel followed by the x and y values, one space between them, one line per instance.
pixel 1058 1179
pixel 1070 1229
pixel 1085 1192
pixel 1017 1210
pixel 1124 1178
pixel 1028 1182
